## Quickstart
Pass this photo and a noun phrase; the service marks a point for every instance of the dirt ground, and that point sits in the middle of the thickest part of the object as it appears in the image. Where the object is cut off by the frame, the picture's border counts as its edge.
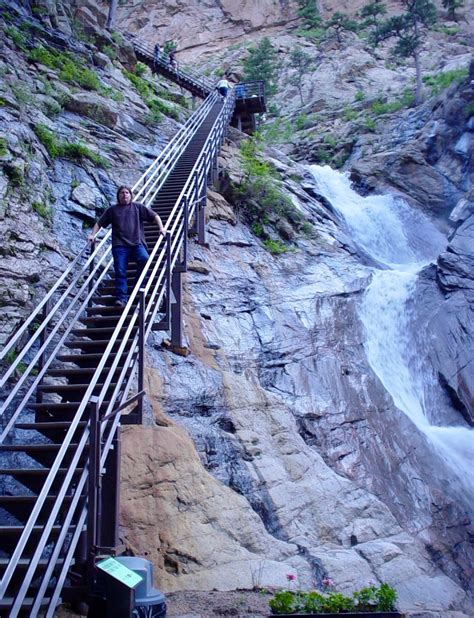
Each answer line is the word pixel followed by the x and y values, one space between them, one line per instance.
pixel 239 603
pixel 209 604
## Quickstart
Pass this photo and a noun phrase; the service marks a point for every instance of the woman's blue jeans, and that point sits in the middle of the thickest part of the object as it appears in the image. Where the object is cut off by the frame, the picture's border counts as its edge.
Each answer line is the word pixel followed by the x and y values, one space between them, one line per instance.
pixel 121 257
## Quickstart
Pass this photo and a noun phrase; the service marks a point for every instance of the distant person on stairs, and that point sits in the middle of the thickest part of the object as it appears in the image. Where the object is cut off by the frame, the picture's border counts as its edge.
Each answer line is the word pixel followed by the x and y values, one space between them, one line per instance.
pixel 223 87
pixel 173 61
pixel 157 54
pixel 128 237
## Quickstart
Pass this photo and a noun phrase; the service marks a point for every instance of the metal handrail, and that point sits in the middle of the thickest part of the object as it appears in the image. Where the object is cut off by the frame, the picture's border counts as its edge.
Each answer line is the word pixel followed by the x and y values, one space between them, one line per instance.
pixel 164 162
pixel 150 183
pixel 164 60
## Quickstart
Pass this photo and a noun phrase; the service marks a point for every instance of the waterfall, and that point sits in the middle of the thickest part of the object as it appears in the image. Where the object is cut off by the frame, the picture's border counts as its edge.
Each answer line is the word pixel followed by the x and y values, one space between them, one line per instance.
pixel 402 241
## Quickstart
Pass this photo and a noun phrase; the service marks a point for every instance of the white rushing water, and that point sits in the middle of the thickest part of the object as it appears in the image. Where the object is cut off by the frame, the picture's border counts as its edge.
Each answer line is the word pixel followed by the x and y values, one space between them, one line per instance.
pixel 402 241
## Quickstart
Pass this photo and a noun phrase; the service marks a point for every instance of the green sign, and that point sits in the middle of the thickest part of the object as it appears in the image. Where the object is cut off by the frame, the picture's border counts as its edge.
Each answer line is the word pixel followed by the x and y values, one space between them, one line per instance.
pixel 119 571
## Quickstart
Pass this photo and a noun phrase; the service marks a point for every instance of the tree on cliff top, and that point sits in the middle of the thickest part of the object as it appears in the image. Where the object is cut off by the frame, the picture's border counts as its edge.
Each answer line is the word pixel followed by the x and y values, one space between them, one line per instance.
pixel 262 64
pixel 309 13
pixel 340 22
pixel 409 29
pixel 372 12
pixel 451 6
pixel 301 62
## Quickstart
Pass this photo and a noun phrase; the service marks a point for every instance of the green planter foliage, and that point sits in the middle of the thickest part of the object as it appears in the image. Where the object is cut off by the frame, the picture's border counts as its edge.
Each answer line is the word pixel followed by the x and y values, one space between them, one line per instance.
pixel 370 599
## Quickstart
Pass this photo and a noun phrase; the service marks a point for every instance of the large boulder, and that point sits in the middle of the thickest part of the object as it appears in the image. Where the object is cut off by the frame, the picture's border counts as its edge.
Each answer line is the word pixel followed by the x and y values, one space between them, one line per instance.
pixel 94 106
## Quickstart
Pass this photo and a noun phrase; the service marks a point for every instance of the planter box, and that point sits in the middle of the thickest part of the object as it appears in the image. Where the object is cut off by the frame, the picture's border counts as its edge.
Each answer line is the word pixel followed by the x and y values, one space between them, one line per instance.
pixel 349 615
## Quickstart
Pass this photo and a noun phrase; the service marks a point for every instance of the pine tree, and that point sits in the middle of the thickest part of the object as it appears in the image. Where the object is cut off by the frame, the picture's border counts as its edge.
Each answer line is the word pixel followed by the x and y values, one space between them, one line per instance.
pixel 300 61
pixel 409 29
pixel 451 6
pixel 309 13
pixel 340 22
pixel 372 12
pixel 262 64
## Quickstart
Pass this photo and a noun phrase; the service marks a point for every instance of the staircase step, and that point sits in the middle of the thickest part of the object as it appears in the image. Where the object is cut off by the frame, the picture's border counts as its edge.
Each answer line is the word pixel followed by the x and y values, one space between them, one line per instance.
pixel 79 359
pixel 66 388
pixel 48 425
pixel 93 332
pixel 33 448
pixel 35 472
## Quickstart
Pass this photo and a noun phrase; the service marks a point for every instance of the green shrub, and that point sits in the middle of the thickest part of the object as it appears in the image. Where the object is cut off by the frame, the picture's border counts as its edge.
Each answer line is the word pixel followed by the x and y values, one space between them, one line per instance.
pixel 275 247
pixel 112 93
pixel 447 30
pixel 359 96
pixel 164 108
pixel 368 599
pixel 52 108
pixel 349 114
pixel 39 10
pixel 441 81
pixel 369 124
pixel 42 210
pixel 48 139
pixel 307 229
pixel 110 51
pixel 331 140
pixel 79 150
pixel 174 97
pixel 19 38
pixel 147 91
pixel 117 38
pixel 469 110
pixel 3 147
pixel 22 94
pixel 68 150
pixel 257 229
pixel 379 107
pixel 140 69
pixel 305 121
pixel 71 70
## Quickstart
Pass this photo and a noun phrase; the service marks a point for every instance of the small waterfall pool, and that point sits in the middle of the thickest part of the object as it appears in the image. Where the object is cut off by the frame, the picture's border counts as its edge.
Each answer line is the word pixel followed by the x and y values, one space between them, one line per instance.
pixel 403 241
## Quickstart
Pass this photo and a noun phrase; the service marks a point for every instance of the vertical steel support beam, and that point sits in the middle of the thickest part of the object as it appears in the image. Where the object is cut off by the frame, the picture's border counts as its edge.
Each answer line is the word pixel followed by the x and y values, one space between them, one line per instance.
pixel 91 269
pixel 141 351
pixel 168 276
pixel 195 199
pixel 185 234
pixel 177 310
pixel 42 338
pixel 93 489
pixel 110 497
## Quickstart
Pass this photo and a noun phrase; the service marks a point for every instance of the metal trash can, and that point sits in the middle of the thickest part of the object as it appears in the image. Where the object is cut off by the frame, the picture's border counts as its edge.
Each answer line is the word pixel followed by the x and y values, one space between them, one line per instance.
pixel 149 601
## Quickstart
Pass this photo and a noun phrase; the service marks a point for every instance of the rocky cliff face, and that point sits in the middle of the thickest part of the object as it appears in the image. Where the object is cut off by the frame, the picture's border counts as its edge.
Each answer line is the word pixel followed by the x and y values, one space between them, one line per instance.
pixel 285 411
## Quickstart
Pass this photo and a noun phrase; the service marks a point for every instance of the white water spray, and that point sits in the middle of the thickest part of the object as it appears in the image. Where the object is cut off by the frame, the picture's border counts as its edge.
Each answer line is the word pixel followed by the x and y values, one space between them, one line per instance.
pixel 403 241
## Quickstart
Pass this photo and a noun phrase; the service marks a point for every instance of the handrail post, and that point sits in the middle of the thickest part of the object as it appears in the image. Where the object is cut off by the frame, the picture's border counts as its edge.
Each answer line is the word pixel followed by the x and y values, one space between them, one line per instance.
pixel 42 358
pixel 185 233
pixel 141 351
pixel 168 277
pixel 91 269
pixel 94 487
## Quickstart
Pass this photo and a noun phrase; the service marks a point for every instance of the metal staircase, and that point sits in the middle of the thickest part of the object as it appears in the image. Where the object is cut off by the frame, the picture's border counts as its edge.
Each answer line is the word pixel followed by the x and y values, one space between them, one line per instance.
pixel 250 96
pixel 195 83
pixel 74 372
